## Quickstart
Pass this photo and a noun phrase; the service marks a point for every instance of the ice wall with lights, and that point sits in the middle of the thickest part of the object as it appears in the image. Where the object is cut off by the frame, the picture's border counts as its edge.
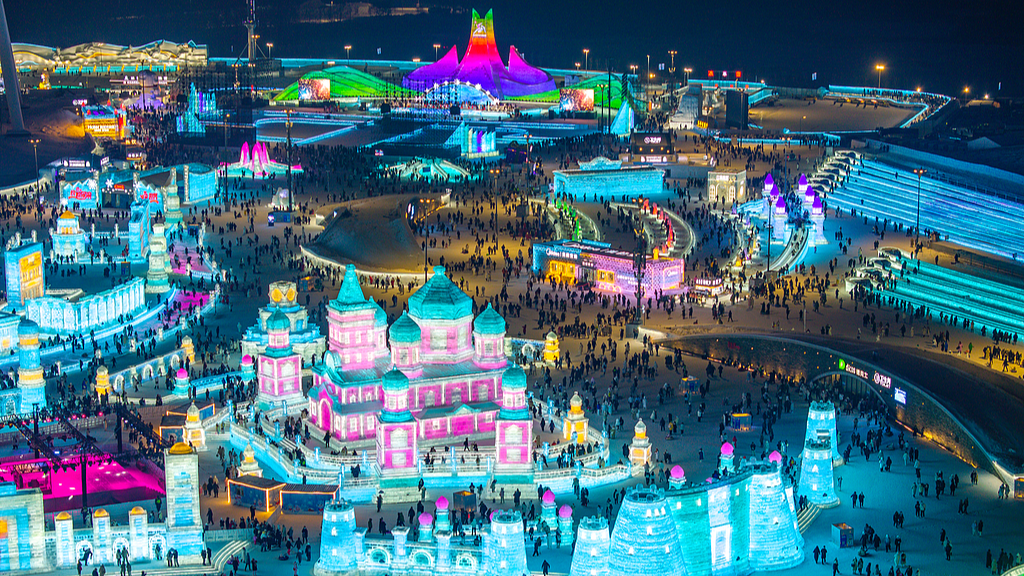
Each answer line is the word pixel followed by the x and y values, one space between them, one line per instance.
pixel 743 522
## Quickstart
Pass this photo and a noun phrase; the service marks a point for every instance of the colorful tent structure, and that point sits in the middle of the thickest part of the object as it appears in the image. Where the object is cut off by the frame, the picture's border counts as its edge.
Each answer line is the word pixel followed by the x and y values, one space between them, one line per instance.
pixel 482 67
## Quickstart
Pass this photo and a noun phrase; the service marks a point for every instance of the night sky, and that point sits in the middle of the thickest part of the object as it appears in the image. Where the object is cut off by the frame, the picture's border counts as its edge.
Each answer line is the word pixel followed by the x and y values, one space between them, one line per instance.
pixel 939 46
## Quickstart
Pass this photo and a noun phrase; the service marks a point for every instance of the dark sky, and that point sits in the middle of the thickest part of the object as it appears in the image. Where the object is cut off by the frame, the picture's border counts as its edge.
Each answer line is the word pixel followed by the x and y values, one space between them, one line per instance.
pixel 940 46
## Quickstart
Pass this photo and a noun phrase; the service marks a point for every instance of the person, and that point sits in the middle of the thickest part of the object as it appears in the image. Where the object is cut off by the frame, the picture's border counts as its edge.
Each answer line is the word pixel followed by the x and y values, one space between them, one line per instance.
pixel 835 567
pixel 817 553
pixel 545 567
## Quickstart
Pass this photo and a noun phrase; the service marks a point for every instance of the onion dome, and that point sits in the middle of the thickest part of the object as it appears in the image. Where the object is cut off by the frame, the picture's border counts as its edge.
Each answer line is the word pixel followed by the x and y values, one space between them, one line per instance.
pixel 441 503
pixel 489 322
pixel 565 511
pixel 677 473
pixel 395 381
pixel 775 457
pixel 513 379
pixel 278 322
pixel 28 328
pixel 405 330
pixel 440 299
pixel 727 449
pixel 181 374
pixel 426 520
pixel 549 497
pixel 640 429
pixel 247 360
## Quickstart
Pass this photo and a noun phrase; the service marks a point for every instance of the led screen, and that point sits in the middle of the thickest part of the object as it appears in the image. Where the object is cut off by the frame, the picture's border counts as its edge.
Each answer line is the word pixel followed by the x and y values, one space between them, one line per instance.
pixel 314 88
pixel 576 100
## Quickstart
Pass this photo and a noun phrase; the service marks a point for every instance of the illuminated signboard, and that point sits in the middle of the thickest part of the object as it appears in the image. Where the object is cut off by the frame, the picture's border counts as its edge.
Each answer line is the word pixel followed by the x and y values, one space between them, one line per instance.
pixel 654 159
pixel 652 139
pixel 900 395
pixel 878 378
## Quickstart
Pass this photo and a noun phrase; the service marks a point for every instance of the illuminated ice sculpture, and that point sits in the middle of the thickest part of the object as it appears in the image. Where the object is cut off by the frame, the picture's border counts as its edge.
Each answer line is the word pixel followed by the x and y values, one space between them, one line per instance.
pixel 23 541
pixel 159 262
pixel 821 425
pixel 280 369
pixel 817 482
pixel 644 541
pixel 481 66
pixel 742 523
pixel 640 447
pixel 575 423
pixel 30 370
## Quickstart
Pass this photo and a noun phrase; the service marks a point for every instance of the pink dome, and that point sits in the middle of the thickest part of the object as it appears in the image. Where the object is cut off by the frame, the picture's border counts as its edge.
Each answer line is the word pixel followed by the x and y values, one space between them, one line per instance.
pixel 182 374
pixel 247 360
pixel 768 180
pixel 549 497
pixel 727 449
pixel 677 473
pixel 775 457
pixel 803 179
pixel 565 511
pixel 810 192
pixel 775 191
pixel 442 503
pixel 426 519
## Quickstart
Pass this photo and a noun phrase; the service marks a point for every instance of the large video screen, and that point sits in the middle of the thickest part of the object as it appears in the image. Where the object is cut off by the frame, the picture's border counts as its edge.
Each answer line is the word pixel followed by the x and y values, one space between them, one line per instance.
pixel 314 89
pixel 576 100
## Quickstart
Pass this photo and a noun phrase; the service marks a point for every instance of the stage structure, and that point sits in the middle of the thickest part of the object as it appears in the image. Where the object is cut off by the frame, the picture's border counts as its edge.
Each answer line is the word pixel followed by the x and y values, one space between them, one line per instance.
pixel 482 68
pixel 255 161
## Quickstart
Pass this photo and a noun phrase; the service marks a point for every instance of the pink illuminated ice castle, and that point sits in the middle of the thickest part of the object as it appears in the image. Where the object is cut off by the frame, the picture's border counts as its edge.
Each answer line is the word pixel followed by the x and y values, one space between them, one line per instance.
pixel 443 378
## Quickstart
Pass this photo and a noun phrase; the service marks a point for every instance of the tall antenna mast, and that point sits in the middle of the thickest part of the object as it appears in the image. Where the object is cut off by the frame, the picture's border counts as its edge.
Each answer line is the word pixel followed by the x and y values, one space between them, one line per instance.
pixel 250 25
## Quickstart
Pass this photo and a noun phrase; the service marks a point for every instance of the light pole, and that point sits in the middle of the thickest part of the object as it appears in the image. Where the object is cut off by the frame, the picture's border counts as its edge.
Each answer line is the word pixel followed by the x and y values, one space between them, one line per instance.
pixel 880 68
pixel 917 230
pixel 436 47
pixel 688 71
pixel 672 64
pixel 348 51
pixel 648 68
pixel 270 50
pixel 586 58
pixel 577 66
pixel 35 151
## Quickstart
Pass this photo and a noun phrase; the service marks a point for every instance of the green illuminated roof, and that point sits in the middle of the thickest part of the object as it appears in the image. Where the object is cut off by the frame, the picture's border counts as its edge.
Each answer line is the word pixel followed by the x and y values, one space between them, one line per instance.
pixel 348 82
pixel 404 330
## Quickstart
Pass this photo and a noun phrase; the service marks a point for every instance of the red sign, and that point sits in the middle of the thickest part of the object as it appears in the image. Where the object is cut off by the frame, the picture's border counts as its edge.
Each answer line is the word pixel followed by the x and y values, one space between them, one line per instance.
pixel 80 194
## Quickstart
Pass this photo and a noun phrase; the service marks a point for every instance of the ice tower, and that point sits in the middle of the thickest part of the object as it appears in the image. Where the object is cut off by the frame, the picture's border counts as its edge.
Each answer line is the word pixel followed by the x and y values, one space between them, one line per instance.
pixel 821 425
pixel 816 479
pixel 30 371
pixel 645 540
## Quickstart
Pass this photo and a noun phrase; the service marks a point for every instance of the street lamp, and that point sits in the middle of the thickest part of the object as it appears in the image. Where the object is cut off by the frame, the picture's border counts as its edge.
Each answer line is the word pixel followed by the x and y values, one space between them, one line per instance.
pixel 672 65
pixel 35 151
pixel 879 68
pixel 586 58
pixel 917 232
pixel 436 46
pixel 577 66
pixel 348 51
pixel 270 50
pixel 648 65
pixel 688 71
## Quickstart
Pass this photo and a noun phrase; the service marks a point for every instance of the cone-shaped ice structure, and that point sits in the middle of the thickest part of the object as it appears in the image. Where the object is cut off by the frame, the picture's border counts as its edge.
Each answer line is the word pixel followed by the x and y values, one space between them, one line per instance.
pixel 645 541
pixel 775 540
pixel 821 425
pixel 816 479
pixel 592 545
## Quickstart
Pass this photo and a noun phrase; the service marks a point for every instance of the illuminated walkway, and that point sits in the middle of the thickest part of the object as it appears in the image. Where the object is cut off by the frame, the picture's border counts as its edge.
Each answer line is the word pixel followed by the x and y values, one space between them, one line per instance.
pixel 965 217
